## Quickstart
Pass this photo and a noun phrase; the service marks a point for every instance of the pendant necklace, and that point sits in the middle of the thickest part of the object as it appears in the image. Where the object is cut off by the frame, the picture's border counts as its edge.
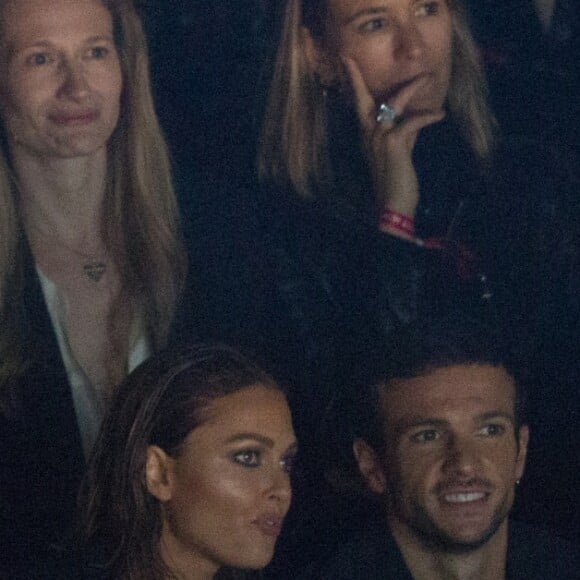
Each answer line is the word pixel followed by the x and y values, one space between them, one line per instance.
pixel 93 268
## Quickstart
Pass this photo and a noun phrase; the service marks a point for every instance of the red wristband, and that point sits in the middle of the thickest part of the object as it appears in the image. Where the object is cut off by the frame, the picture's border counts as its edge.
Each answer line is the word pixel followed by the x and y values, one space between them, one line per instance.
pixel 398 221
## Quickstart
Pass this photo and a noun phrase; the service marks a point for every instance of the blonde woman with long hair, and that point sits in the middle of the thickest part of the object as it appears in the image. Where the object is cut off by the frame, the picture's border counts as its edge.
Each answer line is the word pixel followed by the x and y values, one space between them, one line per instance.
pixel 91 262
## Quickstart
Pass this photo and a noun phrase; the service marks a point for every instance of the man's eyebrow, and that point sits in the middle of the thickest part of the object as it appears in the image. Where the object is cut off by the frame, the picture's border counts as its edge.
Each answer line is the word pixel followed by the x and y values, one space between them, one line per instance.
pixel 496 415
pixel 253 436
pixel 412 422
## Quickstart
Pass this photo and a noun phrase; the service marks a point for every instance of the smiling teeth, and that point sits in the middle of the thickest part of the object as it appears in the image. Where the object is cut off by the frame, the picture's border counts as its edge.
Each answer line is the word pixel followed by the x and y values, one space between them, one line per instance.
pixel 464 497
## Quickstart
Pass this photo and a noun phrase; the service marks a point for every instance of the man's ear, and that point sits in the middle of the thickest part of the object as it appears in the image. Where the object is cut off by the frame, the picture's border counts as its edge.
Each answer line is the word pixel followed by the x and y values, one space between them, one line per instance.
pixel 523 439
pixel 159 473
pixel 317 58
pixel 370 466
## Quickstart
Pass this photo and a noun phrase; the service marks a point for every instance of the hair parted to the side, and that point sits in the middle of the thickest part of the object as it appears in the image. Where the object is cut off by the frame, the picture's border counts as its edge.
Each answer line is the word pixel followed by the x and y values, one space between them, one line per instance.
pixel 160 403
pixel 293 148
pixel 140 216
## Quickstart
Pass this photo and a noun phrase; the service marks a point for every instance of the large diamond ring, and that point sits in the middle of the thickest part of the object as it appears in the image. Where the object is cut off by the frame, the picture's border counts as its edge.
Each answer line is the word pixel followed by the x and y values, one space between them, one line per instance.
pixel 386 113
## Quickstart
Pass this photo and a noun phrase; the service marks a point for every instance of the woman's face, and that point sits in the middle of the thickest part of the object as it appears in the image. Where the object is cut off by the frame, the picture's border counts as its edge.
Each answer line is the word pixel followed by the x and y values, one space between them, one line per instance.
pixel 60 77
pixel 226 494
pixel 394 43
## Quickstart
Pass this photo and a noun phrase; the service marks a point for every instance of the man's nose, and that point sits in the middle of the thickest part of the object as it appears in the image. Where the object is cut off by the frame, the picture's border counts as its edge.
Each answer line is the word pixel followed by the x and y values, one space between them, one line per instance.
pixel 462 455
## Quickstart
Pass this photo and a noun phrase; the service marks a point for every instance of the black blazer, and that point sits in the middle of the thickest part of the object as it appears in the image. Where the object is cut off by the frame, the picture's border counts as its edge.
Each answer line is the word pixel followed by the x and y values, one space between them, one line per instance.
pixel 370 553
pixel 41 457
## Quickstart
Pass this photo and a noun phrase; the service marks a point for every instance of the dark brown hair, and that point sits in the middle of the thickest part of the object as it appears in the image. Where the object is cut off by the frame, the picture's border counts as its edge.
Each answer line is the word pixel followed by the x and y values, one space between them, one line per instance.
pixel 160 403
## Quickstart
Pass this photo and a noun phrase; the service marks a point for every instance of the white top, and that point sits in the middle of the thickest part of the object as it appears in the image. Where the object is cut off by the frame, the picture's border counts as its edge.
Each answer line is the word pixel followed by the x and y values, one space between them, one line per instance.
pixel 87 398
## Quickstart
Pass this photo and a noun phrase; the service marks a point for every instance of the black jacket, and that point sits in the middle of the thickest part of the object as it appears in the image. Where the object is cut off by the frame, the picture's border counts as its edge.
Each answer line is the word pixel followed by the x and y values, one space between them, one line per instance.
pixel 372 554
pixel 41 457
pixel 343 285
pixel 311 287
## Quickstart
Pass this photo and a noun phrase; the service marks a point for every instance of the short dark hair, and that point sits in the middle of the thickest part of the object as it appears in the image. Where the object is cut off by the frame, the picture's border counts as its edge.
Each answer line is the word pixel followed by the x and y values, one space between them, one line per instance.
pixel 160 403
pixel 435 342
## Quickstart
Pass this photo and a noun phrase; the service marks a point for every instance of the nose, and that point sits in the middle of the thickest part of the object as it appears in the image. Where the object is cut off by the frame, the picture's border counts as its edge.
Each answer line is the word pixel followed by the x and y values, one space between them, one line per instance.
pixel 74 80
pixel 410 43
pixel 281 488
pixel 462 456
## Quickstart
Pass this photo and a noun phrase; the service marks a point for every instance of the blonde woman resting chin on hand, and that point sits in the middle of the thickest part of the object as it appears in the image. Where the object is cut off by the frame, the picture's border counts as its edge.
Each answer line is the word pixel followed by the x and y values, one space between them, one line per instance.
pixel 191 471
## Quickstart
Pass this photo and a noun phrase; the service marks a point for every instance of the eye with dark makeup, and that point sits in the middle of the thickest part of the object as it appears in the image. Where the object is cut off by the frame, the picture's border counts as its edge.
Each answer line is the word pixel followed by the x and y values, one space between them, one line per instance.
pixel 248 457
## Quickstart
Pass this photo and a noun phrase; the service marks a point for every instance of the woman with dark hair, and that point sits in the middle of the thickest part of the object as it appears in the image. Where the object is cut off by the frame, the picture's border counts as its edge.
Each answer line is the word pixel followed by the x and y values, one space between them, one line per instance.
pixel 91 258
pixel 191 470
pixel 383 172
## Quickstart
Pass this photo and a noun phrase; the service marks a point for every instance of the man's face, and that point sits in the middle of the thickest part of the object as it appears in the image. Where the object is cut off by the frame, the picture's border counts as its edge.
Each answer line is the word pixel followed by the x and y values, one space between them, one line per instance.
pixel 452 458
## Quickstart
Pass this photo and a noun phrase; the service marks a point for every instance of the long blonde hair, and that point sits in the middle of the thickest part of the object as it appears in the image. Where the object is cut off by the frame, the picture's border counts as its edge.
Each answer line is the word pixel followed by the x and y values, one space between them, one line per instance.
pixel 139 203
pixel 293 149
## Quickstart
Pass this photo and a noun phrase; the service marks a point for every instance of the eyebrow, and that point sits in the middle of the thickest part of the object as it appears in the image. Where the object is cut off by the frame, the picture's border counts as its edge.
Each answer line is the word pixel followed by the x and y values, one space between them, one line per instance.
pixel 365 12
pixel 100 37
pixel 255 436
pixel 496 415
pixel 48 44
pixel 14 50
pixel 413 423
pixel 261 439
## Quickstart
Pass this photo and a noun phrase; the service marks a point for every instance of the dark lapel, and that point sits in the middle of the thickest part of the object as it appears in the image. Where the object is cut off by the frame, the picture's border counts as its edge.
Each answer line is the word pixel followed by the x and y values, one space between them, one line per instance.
pixel 46 392
pixel 42 460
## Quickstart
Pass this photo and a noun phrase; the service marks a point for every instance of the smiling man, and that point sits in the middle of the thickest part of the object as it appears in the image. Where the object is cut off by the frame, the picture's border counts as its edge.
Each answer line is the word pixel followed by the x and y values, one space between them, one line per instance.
pixel 443 453
pixel 452 456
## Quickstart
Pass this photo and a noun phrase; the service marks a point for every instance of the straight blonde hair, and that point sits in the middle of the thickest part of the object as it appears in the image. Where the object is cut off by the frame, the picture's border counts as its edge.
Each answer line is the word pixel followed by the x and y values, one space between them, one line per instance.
pixel 140 218
pixel 293 148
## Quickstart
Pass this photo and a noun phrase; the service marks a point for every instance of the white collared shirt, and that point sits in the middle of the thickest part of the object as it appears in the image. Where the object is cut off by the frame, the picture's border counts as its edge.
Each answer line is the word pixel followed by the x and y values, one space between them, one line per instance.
pixel 88 401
